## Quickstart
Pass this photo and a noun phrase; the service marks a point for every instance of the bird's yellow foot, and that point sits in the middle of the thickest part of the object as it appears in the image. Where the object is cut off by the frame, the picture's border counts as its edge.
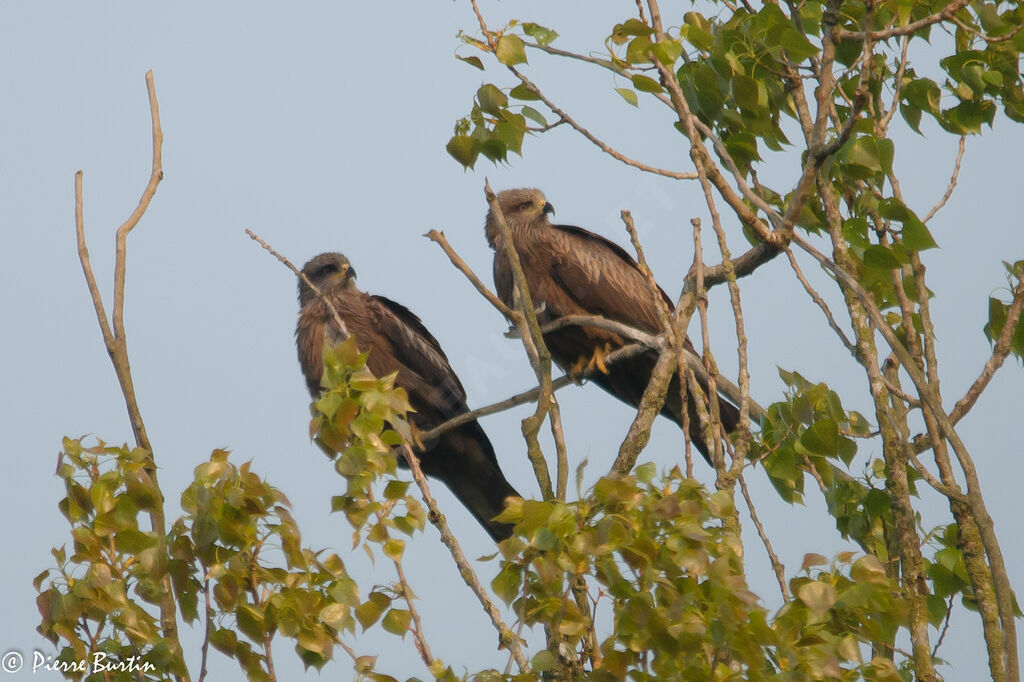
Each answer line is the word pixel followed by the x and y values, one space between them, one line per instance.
pixel 585 365
pixel 598 359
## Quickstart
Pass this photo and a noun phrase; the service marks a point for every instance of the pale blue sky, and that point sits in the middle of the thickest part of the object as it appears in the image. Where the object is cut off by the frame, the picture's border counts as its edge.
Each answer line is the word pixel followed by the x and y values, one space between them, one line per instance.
pixel 322 126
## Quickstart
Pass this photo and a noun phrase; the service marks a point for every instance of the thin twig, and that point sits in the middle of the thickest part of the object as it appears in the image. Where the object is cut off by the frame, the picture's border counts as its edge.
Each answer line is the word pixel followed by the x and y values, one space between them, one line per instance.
pixel 507 638
pixel 442 241
pixel 301 275
pixel 816 297
pixel 999 352
pixel 952 181
pixel 531 395
pixel 988 39
pixel 208 612
pixel 777 566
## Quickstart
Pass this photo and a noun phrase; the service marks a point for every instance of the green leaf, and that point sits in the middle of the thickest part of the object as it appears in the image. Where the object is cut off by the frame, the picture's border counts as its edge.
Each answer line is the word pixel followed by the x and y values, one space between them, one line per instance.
pixel 822 438
pixel 542 34
pixel 880 258
pixel 396 490
pixel 472 61
pixel 818 596
pixel 369 612
pixel 463 149
pixel 394 548
pixel 923 94
pixel 533 115
pixel 544 660
pixel 522 92
pixel 797 45
pixel 510 50
pixel 667 52
pixel 916 236
pixel 491 99
pixel 397 621
pixel 508 583
pixel 628 95
pixel 645 84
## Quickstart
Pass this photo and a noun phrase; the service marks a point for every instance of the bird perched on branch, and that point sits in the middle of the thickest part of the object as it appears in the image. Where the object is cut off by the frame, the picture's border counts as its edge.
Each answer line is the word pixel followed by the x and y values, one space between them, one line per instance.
pixel 570 271
pixel 462 458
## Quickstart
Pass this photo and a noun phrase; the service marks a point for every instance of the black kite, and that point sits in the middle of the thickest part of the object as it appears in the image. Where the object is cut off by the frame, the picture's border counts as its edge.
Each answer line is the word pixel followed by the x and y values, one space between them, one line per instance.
pixel 571 271
pixel 462 457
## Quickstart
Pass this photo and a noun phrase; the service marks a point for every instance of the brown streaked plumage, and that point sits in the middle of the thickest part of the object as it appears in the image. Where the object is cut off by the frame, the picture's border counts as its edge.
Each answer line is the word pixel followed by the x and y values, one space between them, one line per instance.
pixel 462 458
pixel 571 271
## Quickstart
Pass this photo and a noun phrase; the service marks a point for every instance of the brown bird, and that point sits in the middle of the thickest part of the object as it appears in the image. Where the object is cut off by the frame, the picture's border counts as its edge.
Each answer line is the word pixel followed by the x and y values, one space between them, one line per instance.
pixel 571 271
pixel 462 458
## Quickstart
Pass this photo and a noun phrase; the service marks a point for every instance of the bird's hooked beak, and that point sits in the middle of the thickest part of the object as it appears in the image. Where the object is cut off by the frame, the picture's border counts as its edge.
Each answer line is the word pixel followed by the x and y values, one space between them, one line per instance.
pixel 548 208
pixel 343 273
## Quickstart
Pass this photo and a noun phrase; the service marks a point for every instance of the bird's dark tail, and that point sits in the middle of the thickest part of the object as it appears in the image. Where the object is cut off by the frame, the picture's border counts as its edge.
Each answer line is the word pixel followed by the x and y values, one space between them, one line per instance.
pixel 464 460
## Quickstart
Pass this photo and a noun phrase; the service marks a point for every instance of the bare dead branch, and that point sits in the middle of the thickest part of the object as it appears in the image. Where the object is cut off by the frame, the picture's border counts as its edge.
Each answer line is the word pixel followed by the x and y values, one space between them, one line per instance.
pixel 507 638
pixel 116 345
pixel 301 275
pixel 540 358
pixel 442 241
pixel 530 395
pixel 777 566
pixel 599 322
pixel 898 86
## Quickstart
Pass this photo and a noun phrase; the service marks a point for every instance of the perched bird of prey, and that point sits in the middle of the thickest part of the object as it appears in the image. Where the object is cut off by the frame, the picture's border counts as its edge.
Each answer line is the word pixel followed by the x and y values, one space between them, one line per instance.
pixel 462 457
pixel 571 271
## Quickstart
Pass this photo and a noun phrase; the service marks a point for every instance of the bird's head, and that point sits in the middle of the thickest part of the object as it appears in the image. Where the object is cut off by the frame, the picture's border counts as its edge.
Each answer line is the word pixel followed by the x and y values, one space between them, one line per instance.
pixel 329 272
pixel 522 206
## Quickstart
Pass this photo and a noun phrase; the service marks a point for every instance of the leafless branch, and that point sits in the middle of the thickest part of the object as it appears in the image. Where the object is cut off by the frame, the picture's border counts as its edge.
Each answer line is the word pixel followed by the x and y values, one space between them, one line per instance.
pixel 301 275
pixel 208 618
pixel 619 156
pixel 816 297
pixel 897 85
pixel 507 638
pixel 777 566
pixel 995 361
pixel 116 345
pixel 530 395
pixel 599 322
pixel 952 181
pixel 540 358
pixel 457 261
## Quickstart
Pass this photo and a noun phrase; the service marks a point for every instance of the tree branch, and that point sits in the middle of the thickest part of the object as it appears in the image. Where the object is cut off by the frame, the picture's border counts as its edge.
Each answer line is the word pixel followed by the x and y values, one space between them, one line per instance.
pixel 947 13
pixel 116 344
pixel 301 275
pixel 442 241
pixel 507 638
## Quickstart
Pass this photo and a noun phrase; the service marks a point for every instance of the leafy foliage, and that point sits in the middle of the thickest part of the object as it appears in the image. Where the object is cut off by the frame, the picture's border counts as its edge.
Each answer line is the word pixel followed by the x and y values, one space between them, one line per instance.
pixel 236 548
